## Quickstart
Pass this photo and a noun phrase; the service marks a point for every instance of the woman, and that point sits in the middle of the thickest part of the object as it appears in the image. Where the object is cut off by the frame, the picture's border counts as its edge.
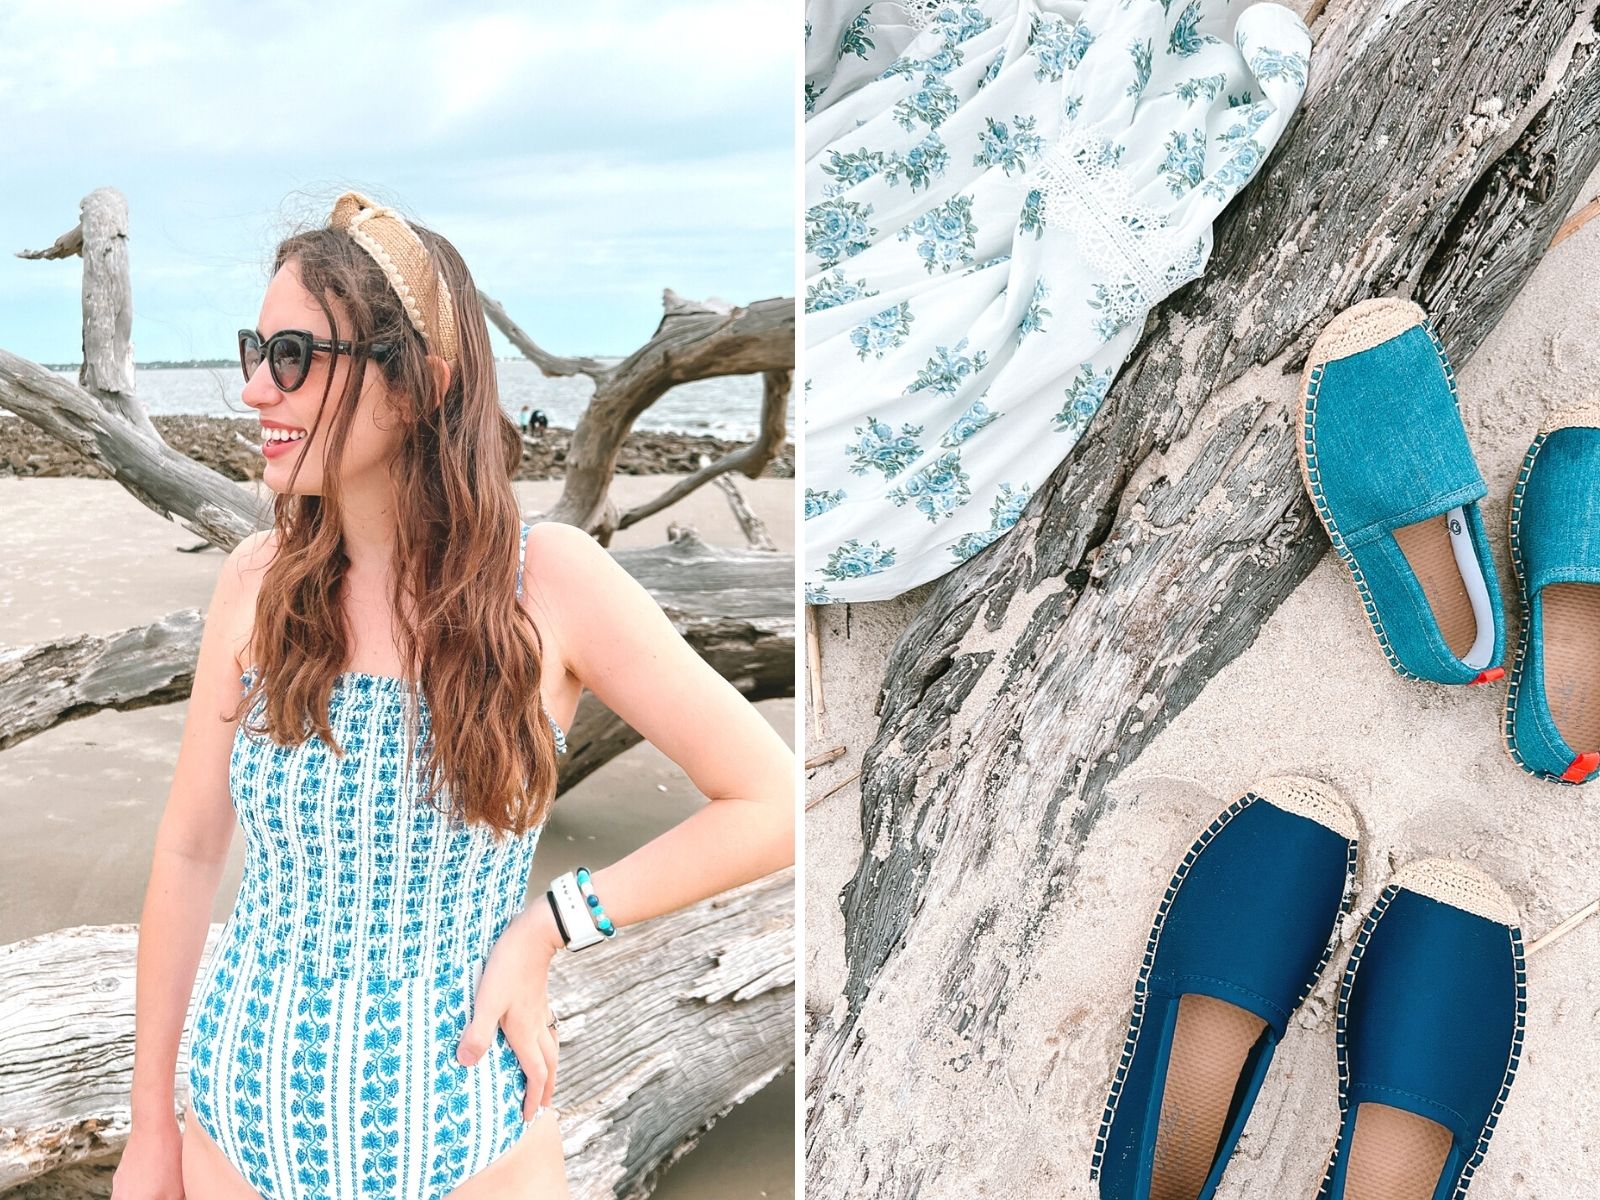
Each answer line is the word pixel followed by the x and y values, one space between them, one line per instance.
pixel 375 1019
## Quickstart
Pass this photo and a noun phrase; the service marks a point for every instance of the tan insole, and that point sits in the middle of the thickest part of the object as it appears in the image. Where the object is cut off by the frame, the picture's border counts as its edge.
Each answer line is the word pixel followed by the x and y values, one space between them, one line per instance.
pixel 1394 1155
pixel 1572 662
pixel 1209 1047
pixel 1426 546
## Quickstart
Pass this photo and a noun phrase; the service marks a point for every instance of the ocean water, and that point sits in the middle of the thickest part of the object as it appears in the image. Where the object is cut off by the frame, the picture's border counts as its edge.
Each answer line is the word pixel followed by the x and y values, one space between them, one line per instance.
pixel 728 407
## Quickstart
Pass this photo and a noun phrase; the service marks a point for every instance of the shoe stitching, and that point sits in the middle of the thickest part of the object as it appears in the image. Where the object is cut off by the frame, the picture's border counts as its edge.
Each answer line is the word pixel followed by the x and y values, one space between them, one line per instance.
pixel 1282 1012
pixel 1342 1048
pixel 1147 963
pixel 1508 725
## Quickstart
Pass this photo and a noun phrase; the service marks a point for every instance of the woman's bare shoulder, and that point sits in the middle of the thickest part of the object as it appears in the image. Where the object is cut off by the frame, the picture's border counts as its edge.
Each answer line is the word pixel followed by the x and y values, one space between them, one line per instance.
pixel 254 553
pixel 559 567
pixel 562 563
pixel 240 584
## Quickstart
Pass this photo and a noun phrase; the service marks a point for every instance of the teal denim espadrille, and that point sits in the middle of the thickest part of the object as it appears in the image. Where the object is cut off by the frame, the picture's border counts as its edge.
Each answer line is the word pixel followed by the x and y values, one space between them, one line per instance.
pixel 1385 459
pixel 1552 718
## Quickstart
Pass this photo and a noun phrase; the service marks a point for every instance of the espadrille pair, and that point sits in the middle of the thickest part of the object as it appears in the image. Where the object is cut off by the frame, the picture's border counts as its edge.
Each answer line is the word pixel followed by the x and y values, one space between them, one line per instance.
pixel 1428 1028
pixel 1385 458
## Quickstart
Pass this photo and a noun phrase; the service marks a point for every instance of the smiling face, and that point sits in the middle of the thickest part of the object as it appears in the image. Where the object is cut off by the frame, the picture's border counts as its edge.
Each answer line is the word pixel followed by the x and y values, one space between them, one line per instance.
pixel 375 430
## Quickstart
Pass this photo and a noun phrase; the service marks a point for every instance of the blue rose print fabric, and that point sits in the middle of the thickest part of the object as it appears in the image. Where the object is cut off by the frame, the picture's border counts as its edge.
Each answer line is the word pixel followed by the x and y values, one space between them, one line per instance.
pixel 996 195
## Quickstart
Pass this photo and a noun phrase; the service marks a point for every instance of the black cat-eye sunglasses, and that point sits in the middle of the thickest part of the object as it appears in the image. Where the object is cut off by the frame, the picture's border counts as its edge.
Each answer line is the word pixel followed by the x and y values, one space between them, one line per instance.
pixel 288 354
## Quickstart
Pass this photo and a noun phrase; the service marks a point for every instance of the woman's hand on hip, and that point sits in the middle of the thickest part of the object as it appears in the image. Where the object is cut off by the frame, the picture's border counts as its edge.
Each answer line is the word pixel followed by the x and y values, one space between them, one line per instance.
pixel 513 995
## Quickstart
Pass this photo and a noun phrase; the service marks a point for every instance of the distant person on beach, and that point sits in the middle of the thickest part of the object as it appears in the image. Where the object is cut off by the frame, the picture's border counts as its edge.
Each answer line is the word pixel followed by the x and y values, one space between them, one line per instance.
pixel 538 422
pixel 524 417
pixel 374 703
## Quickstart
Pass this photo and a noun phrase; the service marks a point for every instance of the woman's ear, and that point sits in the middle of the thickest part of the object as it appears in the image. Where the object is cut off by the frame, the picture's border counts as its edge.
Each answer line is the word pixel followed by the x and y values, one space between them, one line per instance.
pixel 441 377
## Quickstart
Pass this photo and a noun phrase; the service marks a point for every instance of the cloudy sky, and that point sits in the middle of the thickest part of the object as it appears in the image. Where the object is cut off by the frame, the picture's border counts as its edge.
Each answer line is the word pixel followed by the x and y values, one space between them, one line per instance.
pixel 581 156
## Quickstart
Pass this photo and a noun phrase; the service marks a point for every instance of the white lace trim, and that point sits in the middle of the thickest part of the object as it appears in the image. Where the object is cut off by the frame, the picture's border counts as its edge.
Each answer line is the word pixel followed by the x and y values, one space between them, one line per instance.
pixel 919 13
pixel 1125 243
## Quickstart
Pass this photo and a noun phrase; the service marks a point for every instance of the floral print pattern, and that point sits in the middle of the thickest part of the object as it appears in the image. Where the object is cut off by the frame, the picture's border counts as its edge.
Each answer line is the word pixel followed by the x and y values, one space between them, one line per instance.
pixel 936 490
pixel 838 229
pixel 880 448
pixel 996 196
pixel 945 234
pixel 339 987
pixel 949 369
pixel 1008 146
pixel 882 331
pixel 1056 45
pixel 1185 163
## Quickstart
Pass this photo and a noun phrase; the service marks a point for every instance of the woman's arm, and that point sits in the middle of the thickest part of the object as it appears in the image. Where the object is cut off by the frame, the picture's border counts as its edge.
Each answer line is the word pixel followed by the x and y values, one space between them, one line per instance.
pixel 625 650
pixel 615 639
pixel 190 853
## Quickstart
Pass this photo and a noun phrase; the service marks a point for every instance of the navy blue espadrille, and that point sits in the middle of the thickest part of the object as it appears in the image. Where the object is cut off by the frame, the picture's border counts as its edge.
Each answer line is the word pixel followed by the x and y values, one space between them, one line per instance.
pixel 1246 926
pixel 1430 1024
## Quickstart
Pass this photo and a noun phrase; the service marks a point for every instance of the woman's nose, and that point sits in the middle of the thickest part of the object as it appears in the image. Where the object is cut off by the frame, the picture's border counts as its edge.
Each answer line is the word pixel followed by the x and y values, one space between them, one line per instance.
pixel 259 388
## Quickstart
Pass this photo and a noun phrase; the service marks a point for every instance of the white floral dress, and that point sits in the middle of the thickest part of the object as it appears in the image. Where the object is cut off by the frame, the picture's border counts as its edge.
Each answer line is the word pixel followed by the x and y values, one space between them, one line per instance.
pixel 996 195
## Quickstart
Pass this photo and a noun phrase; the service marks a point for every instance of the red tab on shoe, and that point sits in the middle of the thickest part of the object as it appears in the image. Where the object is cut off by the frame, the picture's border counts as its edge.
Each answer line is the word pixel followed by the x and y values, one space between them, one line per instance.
pixel 1489 676
pixel 1582 767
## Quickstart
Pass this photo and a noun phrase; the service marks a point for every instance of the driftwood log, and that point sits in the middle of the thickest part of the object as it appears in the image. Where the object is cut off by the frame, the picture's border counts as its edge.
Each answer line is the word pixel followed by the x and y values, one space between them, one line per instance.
pixel 100 238
pixel 1437 151
pixel 164 480
pixel 49 683
pixel 734 606
pixel 695 340
pixel 660 1035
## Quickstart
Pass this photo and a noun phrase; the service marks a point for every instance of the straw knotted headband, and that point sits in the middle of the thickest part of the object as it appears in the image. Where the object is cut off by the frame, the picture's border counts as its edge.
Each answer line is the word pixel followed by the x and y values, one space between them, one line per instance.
pixel 395 247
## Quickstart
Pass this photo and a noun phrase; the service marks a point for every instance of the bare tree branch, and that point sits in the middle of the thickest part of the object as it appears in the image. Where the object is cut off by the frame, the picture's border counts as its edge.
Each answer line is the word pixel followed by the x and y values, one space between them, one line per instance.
pixel 549 364
pixel 751 460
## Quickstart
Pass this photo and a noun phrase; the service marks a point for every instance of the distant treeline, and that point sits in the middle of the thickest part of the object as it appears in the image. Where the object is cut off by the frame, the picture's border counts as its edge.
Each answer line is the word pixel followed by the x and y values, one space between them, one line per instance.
pixel 160 362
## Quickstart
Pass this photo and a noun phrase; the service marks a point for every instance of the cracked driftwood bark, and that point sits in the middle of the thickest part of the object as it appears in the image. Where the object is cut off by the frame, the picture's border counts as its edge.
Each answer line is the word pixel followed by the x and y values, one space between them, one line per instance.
pixel 1438 149
pixel 734 606
pixel 694 341
pixel 101 239
pixel 660 1035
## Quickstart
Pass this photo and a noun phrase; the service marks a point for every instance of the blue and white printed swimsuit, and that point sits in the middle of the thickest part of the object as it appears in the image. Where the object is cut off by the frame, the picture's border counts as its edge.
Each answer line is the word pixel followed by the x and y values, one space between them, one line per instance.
pixel 997 193
pixel 322 1058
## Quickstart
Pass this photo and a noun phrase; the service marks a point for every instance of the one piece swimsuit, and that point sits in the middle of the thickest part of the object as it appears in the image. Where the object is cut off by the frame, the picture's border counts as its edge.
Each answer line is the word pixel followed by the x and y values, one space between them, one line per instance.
pixel 322 1057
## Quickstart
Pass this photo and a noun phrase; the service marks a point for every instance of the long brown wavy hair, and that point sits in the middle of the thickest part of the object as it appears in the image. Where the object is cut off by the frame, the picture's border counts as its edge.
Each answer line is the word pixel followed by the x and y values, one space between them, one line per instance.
pixel 460 629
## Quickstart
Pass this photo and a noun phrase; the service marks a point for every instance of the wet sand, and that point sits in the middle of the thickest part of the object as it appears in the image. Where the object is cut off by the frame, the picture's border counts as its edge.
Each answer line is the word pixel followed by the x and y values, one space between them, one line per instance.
pixel 82 801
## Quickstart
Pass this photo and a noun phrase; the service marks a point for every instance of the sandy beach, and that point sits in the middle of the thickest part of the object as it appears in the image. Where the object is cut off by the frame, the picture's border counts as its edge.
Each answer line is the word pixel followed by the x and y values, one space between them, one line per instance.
pixel 82 801
pixel 1425 767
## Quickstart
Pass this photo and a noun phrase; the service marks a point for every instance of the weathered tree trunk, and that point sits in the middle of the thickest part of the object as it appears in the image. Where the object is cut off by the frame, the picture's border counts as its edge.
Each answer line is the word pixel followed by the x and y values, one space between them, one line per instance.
pixel 638 1082
pixel 735 607
pixel 693 341
pixel 101 238
pixel 163 480
pixel 1438 149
